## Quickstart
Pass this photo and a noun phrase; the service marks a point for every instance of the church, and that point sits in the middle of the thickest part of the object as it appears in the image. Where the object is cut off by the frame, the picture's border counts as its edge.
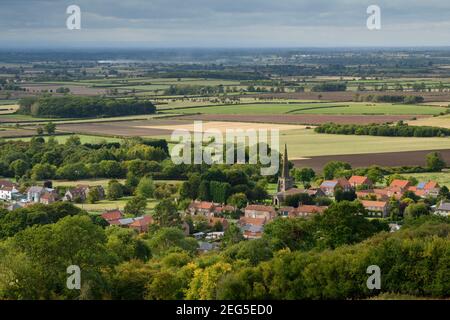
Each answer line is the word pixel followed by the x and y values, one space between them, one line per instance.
pixel 285 182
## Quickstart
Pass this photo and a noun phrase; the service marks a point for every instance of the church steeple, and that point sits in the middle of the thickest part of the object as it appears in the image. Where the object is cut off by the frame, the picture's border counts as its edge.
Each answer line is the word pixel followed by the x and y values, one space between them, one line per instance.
pixel 285 168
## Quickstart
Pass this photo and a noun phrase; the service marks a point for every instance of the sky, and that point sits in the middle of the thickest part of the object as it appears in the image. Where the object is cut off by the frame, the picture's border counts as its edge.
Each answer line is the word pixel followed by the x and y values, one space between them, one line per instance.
pixel 224 23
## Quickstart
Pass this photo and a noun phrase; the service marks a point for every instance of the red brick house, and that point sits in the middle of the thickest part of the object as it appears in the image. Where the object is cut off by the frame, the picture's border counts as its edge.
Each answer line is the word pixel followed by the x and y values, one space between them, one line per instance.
pixel 376 208
pixel 358 181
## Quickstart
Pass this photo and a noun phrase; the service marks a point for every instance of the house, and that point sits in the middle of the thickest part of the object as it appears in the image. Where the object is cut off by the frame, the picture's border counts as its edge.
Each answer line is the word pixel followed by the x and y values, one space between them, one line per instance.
pixel 424 189
pixel 8 193
pixel 359 181
pixel 201 207
pixel 81 192
pixel 286 211
pixel 220 210
pixel 330 186
pixel 7 183
pixel 252 228
pixel 376 208
pixel 214 235
pixel 260 211
pixel 307 210
pixel 389 192
pixel 443 209
pixel 48 197
pixel 213 221
pixel 14 206
pixel 112 216
pixel 141 224
pixel 400 184
pixel 35 193
pixel 315 192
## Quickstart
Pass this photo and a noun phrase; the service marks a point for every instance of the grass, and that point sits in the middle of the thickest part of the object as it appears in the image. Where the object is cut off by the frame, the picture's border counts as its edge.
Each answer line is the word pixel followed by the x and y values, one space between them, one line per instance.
pixel 104 205
pixel 443 178
pixel 319 108
pixel 101 182
pixel 307 143
pixel 83 139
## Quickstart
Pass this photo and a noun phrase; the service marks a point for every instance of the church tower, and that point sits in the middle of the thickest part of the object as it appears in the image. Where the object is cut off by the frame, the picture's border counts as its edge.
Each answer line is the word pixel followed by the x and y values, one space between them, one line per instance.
pixel 285 181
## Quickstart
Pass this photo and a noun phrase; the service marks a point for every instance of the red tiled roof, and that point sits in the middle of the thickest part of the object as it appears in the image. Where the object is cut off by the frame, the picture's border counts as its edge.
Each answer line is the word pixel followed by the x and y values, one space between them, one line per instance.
pixel 252 221
pixel 144 222
pixel 112 215
pixel 370 203
pixel 202 205
pixel 258 207
pixel 358 180
pixel 431 185
pixel 399 183
pixel 311 209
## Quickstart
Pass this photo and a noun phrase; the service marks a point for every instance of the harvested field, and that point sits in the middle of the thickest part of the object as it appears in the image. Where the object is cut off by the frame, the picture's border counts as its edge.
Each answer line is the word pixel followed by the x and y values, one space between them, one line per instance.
pixel 223 126
pixel 443 122
pixel 12 133
pixel 349 95
pixel 391 159
pixel 145 128
pixel 305 119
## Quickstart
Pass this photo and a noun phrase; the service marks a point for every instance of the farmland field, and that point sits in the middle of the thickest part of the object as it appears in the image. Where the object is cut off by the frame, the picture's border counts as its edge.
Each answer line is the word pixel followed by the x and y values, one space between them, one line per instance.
pixel 307 119
pixel 409 158
pixel 319 108
pixel 83 138
pixel 443 178
pixel 443 121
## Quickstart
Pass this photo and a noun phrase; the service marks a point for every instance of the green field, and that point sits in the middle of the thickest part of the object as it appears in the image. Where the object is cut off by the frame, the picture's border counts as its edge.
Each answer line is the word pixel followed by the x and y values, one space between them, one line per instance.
pixel 307 143
pixel 83 139
pixel 443 178
pixel 319 108
pixel 105 205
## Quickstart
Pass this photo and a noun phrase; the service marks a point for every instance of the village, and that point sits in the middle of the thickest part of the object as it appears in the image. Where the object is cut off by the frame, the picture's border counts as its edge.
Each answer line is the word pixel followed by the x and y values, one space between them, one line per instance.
pixel 251 219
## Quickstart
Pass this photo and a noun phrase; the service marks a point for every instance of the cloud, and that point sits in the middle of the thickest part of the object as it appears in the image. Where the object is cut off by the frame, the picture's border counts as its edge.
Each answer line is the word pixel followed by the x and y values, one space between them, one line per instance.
pixel 225 22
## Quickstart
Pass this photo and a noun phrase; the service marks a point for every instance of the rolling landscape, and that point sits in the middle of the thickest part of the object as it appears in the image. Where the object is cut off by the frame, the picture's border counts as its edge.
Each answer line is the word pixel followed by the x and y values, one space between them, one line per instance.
pixel 110 189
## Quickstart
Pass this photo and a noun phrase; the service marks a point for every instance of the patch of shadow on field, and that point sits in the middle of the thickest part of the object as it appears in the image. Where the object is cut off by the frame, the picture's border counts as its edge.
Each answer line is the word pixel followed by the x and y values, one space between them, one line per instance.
pixel 388 159
pixel 122 128
pixel 304 119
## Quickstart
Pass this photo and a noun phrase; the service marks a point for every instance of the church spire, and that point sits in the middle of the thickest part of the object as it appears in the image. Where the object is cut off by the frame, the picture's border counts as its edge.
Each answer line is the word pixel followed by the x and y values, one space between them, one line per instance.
pixel 285 170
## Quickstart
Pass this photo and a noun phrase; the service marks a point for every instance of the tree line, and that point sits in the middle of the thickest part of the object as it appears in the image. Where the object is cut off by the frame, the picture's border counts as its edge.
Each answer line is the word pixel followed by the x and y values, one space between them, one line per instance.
pixel 83 107
pixel 386 130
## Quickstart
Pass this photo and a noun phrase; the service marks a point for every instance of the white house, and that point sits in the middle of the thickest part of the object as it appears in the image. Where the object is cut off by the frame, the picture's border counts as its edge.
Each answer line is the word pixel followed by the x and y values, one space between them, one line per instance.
pixel 443 208
pixel 7 193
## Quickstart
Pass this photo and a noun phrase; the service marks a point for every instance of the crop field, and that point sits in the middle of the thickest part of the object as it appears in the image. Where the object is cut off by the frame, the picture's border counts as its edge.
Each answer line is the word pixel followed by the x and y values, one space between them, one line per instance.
pixel 8 108
pixel 319 108
pixel 408 158
pixel 83 138
pixel 306 119
pixel 307 143
pixel 442 121
pixel 443 178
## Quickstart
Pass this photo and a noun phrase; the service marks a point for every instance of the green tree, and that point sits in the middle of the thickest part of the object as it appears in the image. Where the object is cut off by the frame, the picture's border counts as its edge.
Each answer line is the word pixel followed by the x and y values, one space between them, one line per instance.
pixel 435 162
pixel 136 206
pixel 114 190
pixel 238 200
pixel 304 175
pixel 50 128
pixel 93 195
pixel 166 214
pixel 332 167
pixel 145 188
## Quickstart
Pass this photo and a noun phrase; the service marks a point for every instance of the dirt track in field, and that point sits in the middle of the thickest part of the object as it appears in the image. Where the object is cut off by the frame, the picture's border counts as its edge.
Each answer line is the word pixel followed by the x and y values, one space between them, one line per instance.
pixel 390 159
pixel 304 119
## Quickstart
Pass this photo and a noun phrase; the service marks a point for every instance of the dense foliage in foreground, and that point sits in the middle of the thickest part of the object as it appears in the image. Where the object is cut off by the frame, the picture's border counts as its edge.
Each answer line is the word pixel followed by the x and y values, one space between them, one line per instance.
pixel 83 107
pixel 321 258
